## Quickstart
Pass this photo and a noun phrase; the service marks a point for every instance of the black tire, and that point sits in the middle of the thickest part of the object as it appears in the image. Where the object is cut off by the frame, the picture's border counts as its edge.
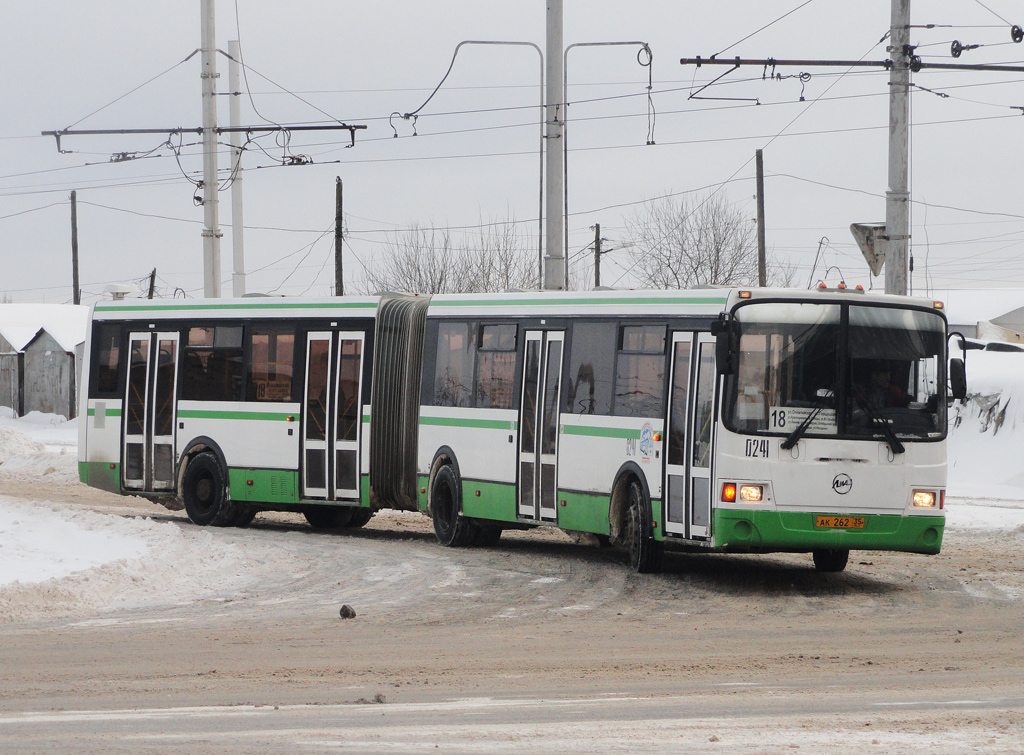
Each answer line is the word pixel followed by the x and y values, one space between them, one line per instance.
pixel 450 526
pixel 487 535
pixel 327 517
pixel 204 492
pixel 244 514
pixel 359 518
pixel 644 551
pixel 831 559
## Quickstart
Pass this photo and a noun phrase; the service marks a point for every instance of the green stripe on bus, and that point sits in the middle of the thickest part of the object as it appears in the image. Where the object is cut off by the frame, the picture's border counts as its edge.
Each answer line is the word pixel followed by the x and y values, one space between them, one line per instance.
pixel 569 302
pixel 268 305
pixel 208 414
pixel 107 412
pixel 487 424
pixel 601 432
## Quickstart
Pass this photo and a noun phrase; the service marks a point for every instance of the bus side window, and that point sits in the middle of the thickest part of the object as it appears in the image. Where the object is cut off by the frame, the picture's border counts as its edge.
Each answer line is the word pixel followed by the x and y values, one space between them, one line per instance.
pixel 107 348
pixel 496 366
pixel 213 364
pixel 591 361
pixel 271 364
pixel 453 369
pixel 640 371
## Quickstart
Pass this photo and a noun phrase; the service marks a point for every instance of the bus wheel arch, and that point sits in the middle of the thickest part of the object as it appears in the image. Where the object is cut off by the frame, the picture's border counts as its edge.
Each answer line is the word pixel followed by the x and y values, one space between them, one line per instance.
pixel 204 491
pixel 631 520
pixel 618 505
pixel 198 445
pixel 444 502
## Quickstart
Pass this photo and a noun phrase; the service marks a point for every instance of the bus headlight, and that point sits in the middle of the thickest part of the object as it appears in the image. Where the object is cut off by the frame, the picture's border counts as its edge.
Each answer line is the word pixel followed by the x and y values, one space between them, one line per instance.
pixel 731 492
pixel 924 499
pixel 751 493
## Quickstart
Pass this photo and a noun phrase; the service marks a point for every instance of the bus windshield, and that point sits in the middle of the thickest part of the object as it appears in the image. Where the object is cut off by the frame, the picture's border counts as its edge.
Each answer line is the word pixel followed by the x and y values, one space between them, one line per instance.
pixel 838 370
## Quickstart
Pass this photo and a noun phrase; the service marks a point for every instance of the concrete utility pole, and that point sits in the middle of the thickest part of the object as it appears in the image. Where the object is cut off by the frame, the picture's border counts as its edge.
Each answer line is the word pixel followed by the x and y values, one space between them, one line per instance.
pixel 237 229
pixel 554 257
pixel 339 237
pixel 762 261
pixel 77 293
pixel 897 198
pixel 211 223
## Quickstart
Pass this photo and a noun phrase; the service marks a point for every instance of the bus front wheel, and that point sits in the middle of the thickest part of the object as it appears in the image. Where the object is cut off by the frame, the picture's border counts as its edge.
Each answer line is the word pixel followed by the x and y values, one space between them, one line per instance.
pixel 204 492
pixel 450 526
pixel 644 551
pixel 830 560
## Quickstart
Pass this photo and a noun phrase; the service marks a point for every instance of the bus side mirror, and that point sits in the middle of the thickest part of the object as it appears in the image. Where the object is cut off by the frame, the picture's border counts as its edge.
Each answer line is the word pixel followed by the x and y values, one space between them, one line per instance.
pixel 726 344
pixel 958 379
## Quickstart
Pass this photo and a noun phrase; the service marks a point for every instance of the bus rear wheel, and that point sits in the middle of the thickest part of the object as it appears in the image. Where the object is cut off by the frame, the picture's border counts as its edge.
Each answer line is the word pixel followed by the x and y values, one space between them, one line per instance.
pixel 327 517
pixel 204 492
pixel 244 514
pixel 644 551
pixel 487 535
pixel 450 526
pixel 359 518
pixel 830 559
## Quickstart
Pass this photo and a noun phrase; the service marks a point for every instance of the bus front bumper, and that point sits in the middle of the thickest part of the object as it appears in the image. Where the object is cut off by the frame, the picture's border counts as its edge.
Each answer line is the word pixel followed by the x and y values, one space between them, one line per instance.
pixel 796 531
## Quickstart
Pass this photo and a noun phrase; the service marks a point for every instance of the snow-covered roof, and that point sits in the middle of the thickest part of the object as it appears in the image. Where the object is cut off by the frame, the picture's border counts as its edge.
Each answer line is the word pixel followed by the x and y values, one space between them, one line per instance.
pixel 20 323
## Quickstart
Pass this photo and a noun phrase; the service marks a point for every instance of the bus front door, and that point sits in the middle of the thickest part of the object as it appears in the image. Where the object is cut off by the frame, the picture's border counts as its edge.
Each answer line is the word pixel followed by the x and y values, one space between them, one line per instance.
pixel 332 416
pixel 148 453
pixel 538 425
pixel 690 436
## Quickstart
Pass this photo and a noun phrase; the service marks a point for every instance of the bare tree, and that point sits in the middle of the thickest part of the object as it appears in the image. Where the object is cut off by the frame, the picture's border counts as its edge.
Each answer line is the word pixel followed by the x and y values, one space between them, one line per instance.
pixel 434 261
pixel 695 242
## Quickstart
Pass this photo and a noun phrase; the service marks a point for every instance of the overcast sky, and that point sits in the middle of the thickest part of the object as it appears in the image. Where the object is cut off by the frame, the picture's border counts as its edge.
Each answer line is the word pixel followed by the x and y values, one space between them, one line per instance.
pixel 475 158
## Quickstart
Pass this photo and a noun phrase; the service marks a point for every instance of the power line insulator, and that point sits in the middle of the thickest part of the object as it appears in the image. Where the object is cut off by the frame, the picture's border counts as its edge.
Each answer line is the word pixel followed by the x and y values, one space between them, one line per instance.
pixel 1016 33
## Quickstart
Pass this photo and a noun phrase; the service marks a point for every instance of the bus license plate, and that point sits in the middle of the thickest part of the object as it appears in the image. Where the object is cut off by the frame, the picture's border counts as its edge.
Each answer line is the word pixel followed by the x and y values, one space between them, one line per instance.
pixel 840 522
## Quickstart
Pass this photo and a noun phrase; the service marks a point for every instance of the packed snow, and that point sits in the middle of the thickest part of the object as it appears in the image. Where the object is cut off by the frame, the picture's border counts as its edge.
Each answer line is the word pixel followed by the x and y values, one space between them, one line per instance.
pixel 55 557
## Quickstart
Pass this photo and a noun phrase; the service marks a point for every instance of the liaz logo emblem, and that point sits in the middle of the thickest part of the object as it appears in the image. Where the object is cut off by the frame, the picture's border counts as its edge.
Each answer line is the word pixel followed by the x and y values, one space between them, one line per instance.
pixel 842 484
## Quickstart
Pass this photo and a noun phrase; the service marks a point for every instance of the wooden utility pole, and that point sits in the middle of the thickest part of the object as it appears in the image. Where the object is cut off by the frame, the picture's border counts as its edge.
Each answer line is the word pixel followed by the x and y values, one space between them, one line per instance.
pixel 77 292
pixel 597 255
pixel 762 261
pixel 339 238
pixel 152 284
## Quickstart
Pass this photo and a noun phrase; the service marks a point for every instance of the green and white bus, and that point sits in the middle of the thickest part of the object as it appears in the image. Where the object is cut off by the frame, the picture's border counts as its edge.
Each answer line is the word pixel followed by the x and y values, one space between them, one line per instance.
pixel 728 420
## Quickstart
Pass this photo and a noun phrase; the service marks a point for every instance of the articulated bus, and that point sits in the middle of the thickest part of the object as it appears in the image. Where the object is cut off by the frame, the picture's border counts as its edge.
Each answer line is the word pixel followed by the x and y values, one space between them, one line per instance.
pixel 718 420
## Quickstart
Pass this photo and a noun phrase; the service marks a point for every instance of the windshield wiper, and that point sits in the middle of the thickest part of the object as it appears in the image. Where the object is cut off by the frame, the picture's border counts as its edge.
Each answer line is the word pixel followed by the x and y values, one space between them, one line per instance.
pixel 798 433
pixel 879 421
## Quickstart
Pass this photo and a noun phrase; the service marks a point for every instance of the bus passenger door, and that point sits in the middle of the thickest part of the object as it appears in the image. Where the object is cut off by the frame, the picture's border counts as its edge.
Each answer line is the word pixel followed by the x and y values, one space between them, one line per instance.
pixel 348 415
pixel 676 451
pixel 315 411
pixel 150 411
pixel 333 414
pixel 702 438
pixel 538 425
